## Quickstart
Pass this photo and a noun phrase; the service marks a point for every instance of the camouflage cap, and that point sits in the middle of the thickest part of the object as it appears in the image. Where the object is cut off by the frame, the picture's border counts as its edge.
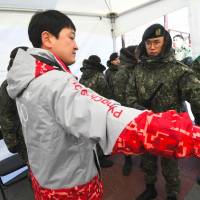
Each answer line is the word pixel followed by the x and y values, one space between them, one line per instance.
pixel 153 31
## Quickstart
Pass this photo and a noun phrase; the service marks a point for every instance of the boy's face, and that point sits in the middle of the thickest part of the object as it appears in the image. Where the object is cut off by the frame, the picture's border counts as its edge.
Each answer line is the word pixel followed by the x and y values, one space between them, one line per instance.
pixel 154 46
pixel 64 46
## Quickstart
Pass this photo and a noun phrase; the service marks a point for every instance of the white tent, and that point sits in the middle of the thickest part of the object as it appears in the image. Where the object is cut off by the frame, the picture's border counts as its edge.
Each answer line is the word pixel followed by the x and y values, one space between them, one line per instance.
pixel 98 23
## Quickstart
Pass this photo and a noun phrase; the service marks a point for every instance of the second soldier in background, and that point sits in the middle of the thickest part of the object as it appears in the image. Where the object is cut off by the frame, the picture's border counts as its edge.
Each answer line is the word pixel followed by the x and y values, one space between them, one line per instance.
pixel 93 78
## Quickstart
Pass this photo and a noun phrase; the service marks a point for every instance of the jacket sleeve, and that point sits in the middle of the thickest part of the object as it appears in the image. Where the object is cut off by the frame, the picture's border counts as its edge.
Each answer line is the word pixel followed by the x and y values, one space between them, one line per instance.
pixel 190 90
pixel 84 113
pixel 168 134
pixel 9 119
pixel 102 86
pixel 131 93
pixel 120 83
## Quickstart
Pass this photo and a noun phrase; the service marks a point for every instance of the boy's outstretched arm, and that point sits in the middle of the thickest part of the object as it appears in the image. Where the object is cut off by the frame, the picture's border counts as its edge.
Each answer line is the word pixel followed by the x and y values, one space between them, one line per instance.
pixel 168 134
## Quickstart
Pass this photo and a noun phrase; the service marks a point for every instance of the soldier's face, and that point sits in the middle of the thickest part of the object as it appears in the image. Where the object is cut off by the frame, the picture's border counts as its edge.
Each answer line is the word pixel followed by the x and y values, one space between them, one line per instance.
pixel 154 46
pixel 116 61
pixel 177 42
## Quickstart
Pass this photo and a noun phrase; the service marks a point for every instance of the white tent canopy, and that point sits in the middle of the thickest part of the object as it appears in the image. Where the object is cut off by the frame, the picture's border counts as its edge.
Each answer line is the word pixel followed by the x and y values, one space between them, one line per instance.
pixel 98 23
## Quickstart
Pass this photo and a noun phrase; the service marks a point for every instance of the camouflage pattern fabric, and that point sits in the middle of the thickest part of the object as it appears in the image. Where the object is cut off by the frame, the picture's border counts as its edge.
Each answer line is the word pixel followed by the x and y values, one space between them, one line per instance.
pixel 10 124
pixel 109 76
pixel 196 66
pixel 170 172
pixel 1 136
pixel 120 82
pixel 178 84
pixel 95 80
pixel 121 78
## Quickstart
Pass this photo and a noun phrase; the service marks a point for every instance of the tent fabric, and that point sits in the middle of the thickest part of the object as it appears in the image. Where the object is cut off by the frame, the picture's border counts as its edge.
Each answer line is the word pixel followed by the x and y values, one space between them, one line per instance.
pixel 92 7
pixel 94 35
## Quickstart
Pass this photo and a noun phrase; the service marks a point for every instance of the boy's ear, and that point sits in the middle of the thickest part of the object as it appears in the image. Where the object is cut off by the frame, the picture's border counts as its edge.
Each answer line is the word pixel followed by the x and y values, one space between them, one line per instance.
pixel 47 39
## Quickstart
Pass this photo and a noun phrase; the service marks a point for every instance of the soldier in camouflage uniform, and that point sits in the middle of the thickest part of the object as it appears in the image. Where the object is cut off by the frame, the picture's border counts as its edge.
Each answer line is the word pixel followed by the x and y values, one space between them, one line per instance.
pixel 9 118
pixel 93 77
pixel 112 64
pixel 1 136
pixel 161 83
pixel 196 68
pixel 126 68
pixel 181 50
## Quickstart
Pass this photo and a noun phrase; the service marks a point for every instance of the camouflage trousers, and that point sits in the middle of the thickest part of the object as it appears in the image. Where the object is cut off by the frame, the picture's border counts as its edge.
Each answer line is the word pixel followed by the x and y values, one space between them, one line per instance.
pixel 170 172
pixel 22 151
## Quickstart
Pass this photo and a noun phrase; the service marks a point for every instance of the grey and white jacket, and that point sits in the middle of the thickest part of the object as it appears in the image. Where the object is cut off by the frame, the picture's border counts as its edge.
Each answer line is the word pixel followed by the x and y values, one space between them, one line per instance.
pixel 62 121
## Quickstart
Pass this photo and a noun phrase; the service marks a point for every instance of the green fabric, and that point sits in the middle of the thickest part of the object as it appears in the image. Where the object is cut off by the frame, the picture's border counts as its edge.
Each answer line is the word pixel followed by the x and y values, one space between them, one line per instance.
pixel 10 124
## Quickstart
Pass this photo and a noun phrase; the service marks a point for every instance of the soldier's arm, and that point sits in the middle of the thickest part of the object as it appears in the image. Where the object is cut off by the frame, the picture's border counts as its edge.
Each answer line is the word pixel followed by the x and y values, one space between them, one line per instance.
pixel 8 119
pixel 120 84
pixel 107 76
pixel 90 83
pixel 190 90
pixel 102 86
pixel 131 94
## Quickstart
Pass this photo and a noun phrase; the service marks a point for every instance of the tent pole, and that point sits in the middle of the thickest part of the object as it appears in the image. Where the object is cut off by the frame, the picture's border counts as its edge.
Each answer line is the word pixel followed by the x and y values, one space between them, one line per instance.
pixel 123 41
pixel 112 17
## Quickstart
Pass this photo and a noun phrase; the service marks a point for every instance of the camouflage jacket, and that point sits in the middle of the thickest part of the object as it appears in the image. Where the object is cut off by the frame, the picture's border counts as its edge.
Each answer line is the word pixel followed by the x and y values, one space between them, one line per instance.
pixel 96 81
pixel 196 66
pixel 126 69
pixel 120 82
pixel 10 124
pixel 163 84
pixel 109 76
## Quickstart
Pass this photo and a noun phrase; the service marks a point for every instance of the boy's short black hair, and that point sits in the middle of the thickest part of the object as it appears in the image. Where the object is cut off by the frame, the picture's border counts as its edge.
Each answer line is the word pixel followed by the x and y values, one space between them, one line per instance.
pixel 52 21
